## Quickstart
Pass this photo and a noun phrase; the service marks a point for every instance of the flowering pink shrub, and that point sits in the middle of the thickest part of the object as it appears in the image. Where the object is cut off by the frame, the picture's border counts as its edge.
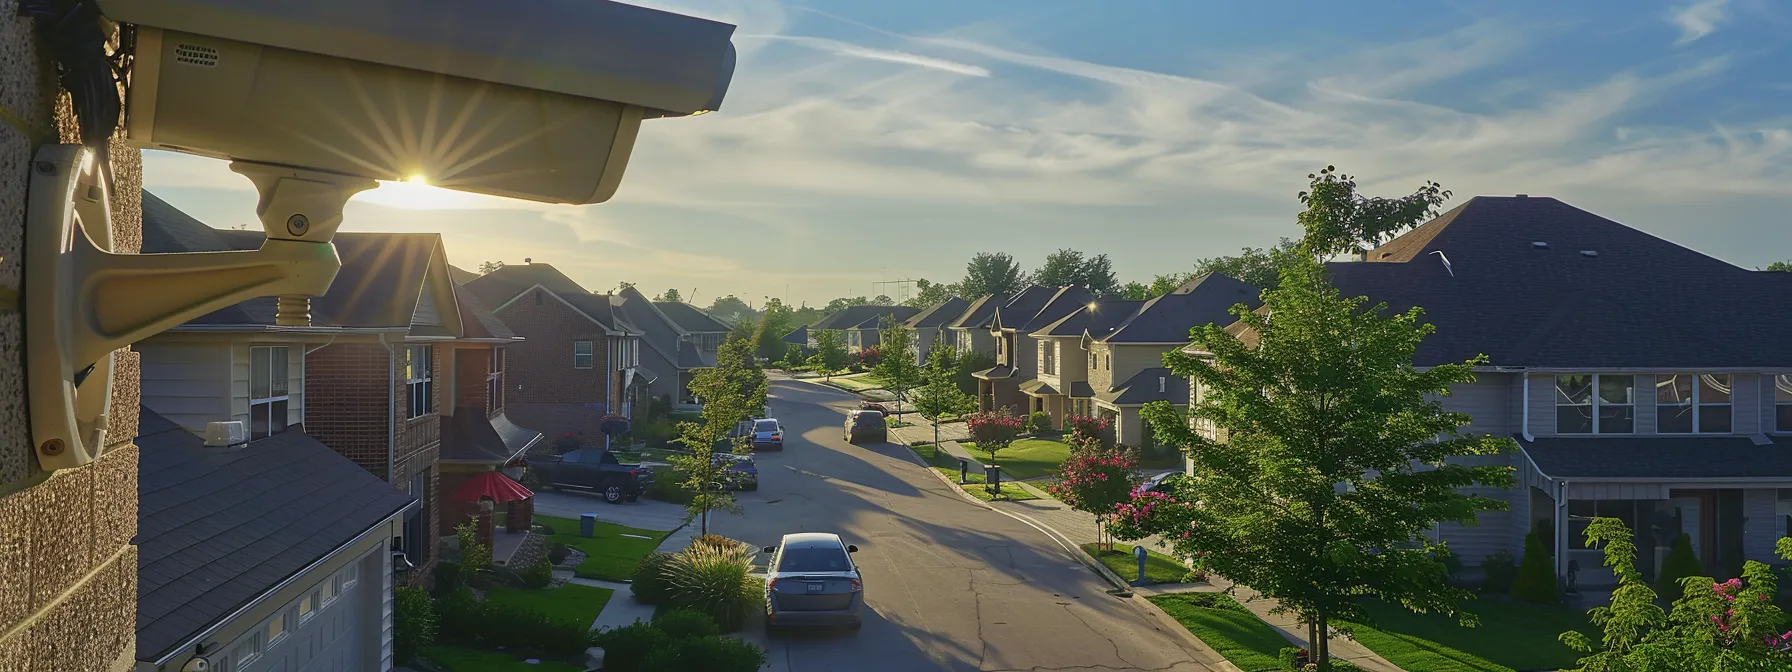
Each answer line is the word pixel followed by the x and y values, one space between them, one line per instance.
pixel 1096 480
pixel 1082 426
pixel 994 430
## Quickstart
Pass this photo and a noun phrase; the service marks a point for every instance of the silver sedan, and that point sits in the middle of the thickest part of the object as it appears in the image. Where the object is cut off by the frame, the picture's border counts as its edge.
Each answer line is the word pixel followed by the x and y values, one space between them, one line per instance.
pixel 812 580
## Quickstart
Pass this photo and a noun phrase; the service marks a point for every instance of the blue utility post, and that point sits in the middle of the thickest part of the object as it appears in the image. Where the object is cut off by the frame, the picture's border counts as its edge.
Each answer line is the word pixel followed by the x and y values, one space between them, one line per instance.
pixel 1140 552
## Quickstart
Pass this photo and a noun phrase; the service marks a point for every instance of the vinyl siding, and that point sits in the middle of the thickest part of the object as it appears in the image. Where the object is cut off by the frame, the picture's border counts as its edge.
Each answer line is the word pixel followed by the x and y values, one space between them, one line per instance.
pixel 1761 524
pixel 1129 360
pixel 1073 362
pixel 188 383
pixel 386 609
pixel 1490 534
pixel 1543 404
pixel 1485 402
pixel 1768 417
pixel 1745 393
pixel 1026 357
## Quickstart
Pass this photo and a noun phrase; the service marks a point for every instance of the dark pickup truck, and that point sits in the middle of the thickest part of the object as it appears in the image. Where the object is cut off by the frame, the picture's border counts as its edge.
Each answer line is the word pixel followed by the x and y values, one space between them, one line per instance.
pixel 593 470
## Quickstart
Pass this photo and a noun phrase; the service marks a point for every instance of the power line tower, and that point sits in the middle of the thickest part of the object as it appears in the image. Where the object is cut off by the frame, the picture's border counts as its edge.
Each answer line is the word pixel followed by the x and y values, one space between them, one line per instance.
pixel 902 288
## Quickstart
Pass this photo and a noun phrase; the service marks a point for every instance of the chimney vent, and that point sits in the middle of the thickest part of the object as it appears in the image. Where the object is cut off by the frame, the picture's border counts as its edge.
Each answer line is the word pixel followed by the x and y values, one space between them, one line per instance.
pixel 1540 245
pixel 1589 253
pixel 528 260
pixel 223 434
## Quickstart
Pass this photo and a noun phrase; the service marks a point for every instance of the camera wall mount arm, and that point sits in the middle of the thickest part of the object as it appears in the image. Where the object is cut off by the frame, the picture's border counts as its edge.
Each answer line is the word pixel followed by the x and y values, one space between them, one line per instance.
pixel 83 301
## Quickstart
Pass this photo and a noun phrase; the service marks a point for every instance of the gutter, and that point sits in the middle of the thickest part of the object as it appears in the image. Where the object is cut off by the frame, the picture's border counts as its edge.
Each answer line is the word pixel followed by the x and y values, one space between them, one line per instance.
pixel 195 639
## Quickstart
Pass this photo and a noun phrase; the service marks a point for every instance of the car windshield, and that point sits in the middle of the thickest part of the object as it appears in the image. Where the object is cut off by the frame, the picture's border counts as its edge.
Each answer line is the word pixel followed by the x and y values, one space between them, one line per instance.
pixel 814 560
pixel 868 419
pixel 765 426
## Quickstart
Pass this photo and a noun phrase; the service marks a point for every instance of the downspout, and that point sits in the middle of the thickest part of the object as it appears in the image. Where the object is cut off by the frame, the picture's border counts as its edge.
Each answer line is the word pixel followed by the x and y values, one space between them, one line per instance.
pixel 391 410
pixel 1524 429
pixel 1561 529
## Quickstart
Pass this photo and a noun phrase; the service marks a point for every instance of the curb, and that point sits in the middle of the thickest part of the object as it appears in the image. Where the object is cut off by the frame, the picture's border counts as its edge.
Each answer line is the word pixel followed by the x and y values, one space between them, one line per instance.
pixel 1121 587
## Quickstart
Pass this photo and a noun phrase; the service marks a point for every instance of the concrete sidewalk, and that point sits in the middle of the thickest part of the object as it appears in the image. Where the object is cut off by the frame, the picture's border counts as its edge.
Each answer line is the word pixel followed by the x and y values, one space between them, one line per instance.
pixel 921 431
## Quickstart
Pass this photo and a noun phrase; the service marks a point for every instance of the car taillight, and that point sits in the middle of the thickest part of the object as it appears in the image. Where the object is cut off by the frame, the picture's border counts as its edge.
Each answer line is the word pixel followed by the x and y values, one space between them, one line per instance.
pixel 772 585
pixel 777 437
pixel 857 586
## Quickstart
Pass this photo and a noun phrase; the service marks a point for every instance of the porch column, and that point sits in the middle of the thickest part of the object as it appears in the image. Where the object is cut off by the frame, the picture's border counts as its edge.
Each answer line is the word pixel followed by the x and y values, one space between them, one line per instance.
pixel 519 514
pixel 1561 531
pixel 483 529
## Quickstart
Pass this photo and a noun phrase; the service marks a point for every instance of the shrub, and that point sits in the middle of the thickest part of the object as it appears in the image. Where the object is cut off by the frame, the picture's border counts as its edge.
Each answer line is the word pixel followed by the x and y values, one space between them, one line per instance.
pixel 1084 426
pixel 993 430
pixel 656 431
pixel 869 357
pixel 537 575
pixel 1536 580
pixel 710 654
pixel 1039 422
pixel 474 556
pixel 713 580
pixel 448 577
pixel 649 580
pixel 457 616
pixel 667 486
pixel 1680 563
pixel 627 646
pixel 557 552
pixel 1498 571
pixel 414 622
pixel 686 624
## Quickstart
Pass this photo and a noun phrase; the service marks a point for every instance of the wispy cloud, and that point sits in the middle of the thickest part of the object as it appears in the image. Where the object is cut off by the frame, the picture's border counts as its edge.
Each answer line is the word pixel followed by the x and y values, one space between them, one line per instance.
pixel 867 53
pixel 1698 19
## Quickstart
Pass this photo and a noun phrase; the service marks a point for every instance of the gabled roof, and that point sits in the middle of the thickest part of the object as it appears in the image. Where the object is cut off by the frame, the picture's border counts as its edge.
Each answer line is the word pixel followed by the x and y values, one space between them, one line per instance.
pixel 218 528
pixel 657 331
pixel 1096 319
pixel 939 314
pixel 798 336
pixel 459 275
pixel 387 280
pixel 1168 318
pixel 478 322
pixel 1142 388
pixel 1660 457
pixel 1022 307
pixel 979 314
pixel 500 286
pixel 690 357
pixel 857 317
pixel 691 318
pixel 470 437
pixel 1637 301
pixel 1068 299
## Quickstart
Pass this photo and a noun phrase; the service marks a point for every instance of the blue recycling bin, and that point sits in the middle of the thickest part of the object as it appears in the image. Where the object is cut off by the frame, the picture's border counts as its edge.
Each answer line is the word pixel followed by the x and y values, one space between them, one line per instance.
pixel 587 524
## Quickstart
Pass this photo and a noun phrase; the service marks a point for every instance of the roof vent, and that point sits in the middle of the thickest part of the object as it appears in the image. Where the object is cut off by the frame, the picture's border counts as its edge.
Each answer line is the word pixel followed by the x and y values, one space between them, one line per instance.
pixel 221 434
pixel 1589 253
pixel 528 260
pixel 1539 244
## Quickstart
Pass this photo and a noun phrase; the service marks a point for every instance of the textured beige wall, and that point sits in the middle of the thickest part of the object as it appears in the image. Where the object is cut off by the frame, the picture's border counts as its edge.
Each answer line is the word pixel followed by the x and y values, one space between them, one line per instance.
pixel 68 573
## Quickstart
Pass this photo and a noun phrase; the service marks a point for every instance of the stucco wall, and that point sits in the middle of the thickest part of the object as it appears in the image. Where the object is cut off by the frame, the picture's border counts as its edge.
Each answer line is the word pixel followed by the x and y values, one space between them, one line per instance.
pixel 68 572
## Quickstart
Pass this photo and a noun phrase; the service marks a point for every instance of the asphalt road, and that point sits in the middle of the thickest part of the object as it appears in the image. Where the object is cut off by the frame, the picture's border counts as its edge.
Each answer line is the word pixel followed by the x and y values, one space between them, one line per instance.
pixel 949 584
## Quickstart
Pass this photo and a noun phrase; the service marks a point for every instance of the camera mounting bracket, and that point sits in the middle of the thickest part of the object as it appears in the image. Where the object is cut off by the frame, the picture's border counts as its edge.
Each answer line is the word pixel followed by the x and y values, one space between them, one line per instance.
pixel 83 301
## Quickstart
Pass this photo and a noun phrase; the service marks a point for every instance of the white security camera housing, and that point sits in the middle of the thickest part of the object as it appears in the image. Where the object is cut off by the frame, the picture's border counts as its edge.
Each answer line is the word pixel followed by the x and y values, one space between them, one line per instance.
pixel 530 99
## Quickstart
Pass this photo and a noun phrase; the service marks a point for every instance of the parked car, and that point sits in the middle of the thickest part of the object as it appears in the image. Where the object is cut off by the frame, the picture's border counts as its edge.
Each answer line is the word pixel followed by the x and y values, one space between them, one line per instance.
pixel 738 471
pixel 866 426
pixel 873 406
pixel 768 434
pixel 592 470
pixel 811 580
pixel 1159 482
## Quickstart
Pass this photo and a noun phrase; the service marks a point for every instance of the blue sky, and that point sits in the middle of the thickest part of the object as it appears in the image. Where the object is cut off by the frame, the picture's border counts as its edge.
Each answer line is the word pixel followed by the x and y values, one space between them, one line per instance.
pixel 866 141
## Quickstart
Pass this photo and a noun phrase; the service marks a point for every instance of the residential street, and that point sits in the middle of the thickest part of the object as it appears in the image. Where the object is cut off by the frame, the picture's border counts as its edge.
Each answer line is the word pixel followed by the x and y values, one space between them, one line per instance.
pixel 950 584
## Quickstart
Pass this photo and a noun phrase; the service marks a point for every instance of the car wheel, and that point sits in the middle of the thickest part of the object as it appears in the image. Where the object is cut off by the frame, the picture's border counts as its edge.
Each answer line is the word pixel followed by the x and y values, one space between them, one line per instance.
pixel 613 494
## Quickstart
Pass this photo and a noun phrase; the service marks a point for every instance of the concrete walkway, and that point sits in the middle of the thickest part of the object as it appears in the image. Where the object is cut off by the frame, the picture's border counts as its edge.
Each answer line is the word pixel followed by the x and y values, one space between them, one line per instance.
pixel 921 431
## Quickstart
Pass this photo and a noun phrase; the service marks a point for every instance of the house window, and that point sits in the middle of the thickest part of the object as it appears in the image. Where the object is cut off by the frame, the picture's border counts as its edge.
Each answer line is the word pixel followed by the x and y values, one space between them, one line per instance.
pixel 1782 402
pixel 494 383
pixel 416 531
pixel 581 354
pixel 276 628
pixel 246 652
pixel 1047 361
pixel 267 391
pixel 329 591
pixel 350 575
pixel 1590 404
pixel 1091 361
pixel 1687 403
pixel 308 606
pixel 419 380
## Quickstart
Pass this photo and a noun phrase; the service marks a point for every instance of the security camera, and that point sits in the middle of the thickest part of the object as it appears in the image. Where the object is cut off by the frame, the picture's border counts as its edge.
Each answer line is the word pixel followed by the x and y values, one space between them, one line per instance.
pixel 532 99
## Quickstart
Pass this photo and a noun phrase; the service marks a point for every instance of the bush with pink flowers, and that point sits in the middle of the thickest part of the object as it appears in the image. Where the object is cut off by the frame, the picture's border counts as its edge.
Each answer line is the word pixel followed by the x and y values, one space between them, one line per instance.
pixel 1096 480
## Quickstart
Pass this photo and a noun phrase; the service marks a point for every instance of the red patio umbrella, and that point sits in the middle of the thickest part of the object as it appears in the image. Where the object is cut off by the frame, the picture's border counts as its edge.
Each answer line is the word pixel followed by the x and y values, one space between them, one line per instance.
pixel 494 485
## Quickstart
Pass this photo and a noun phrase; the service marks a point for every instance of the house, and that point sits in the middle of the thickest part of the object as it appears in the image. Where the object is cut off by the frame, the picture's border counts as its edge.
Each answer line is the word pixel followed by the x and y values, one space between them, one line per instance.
pixel 275 554
pixel 477 434
pixel 970 332
pixel 859 325
pixel 929 325
pixel 673 353
pixel 578 361
pixel 1640 379
pixel 1011 326
pixel 1125 364
pixel 1062 387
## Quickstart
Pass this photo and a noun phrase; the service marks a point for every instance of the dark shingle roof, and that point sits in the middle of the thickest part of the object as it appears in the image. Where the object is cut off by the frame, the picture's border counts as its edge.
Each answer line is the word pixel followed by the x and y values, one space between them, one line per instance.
pixel 471 437
pixel 1023 306
pixel 499 286
pixel 657 331
pixel 1066 300
pixel 939 314
pixel 1639 302
pixel 798 336
pixel 1142 388
pixel 479 322
pixel 1679 457
pixel 1168 318
pixel 1081 389
pixel 689 357
pixel 859 316
pixel 459 275
pixel 1038 387
pixel 1098 321
pixel 690 318
pixel 218 528
pixel 996 372
pixel 979 314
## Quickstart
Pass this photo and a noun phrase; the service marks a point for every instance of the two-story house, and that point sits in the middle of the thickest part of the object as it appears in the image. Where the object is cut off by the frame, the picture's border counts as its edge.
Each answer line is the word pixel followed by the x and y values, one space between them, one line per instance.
pixel 477 434
pixel 929 326
pixel 859 325
pixel 673 354
pixel 1062 387
pixel 578 361
pixel 1011 326
pixel 1629 394
pixel 703 336
pixel 970 331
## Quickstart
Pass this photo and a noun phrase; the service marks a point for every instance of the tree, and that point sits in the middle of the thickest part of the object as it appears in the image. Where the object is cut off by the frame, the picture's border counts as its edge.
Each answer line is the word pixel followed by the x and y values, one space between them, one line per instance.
pixel 969 363
pixel 671 295
pixel 991 273
pixel 489 266
pixel 897 365
pixel 843 303
pixel 830 352
pixel 1096 480
pixel 1780 266
pixel 1069 267
pixel 732 391
pixel 1338 220
pixel 768 333
pixel 1135 291
pixel 1334 448
pixel 1680 563
pixel 731 309
pixel 1255 266
pixel 622 286
pixel 1164 284
pixel 940 397
pixel 882 300
pixel 994 431
pixel 1536 580
pixel 928 293
pixel 1728 626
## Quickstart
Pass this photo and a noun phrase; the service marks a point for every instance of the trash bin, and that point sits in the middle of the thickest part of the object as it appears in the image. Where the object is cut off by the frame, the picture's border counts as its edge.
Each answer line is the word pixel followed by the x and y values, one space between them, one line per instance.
pixel 587 524
pixel 992 475
pixel 964 467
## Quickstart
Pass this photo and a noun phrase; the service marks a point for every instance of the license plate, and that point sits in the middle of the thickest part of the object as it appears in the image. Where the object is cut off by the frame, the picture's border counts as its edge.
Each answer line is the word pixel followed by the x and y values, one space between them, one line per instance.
pixel 815 587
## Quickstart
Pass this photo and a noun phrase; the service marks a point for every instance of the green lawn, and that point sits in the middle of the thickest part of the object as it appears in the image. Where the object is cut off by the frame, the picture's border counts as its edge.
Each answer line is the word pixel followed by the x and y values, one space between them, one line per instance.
pixel 948 465
pixel 1224 624
pixel 1026 458
pixel 608 554
pixel 570 602
pixel 457 659
pixel 1159 568
pixel 1512 637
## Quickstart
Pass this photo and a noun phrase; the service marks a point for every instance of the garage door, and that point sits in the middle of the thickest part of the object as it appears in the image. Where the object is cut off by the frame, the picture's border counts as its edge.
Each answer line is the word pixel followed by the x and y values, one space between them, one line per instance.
pixel 322 631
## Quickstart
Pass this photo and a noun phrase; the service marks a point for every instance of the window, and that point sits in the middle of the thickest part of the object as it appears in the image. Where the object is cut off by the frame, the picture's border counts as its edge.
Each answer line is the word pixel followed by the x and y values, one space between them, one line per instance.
pixel 1687 403
pixel 494 383
pixel 418 379
pixel 350 575
pixel 247 651
pixel 329 591
pixel 1091 361
pixel 581 354
pixel 416 526
pixel 1047 357
pixel 308 606
pixel 276 628
pixel 1589 404
pixel 1782 402
pixel 267 391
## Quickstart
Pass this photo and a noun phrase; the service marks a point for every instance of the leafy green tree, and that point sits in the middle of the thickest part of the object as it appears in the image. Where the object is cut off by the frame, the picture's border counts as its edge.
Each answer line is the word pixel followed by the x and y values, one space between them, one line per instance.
pixel 1732 626
pixel 991 273
pixel 1135 291
pixel 897 366
pixel 732 309
pixel 1096 479
pixel 969 363
pixel 1069 267
pixel 1680 563
pixel 1256 266
pixel 1536 581
pixel 489 266
pixel 732 391
pixel 928 293
pixel 830 353
pixel 1779 266
pixel 670 295
pixel 768 333
pixel 1164 284
pixel 1335 451
pixel 882 300
pixel 940 397
pixel 843 303
pixel 1340 220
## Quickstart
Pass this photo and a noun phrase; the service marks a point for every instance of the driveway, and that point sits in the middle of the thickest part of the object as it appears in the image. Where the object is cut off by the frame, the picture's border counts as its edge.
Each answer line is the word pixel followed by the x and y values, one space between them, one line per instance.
pixel 645 513
pixel 950 584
